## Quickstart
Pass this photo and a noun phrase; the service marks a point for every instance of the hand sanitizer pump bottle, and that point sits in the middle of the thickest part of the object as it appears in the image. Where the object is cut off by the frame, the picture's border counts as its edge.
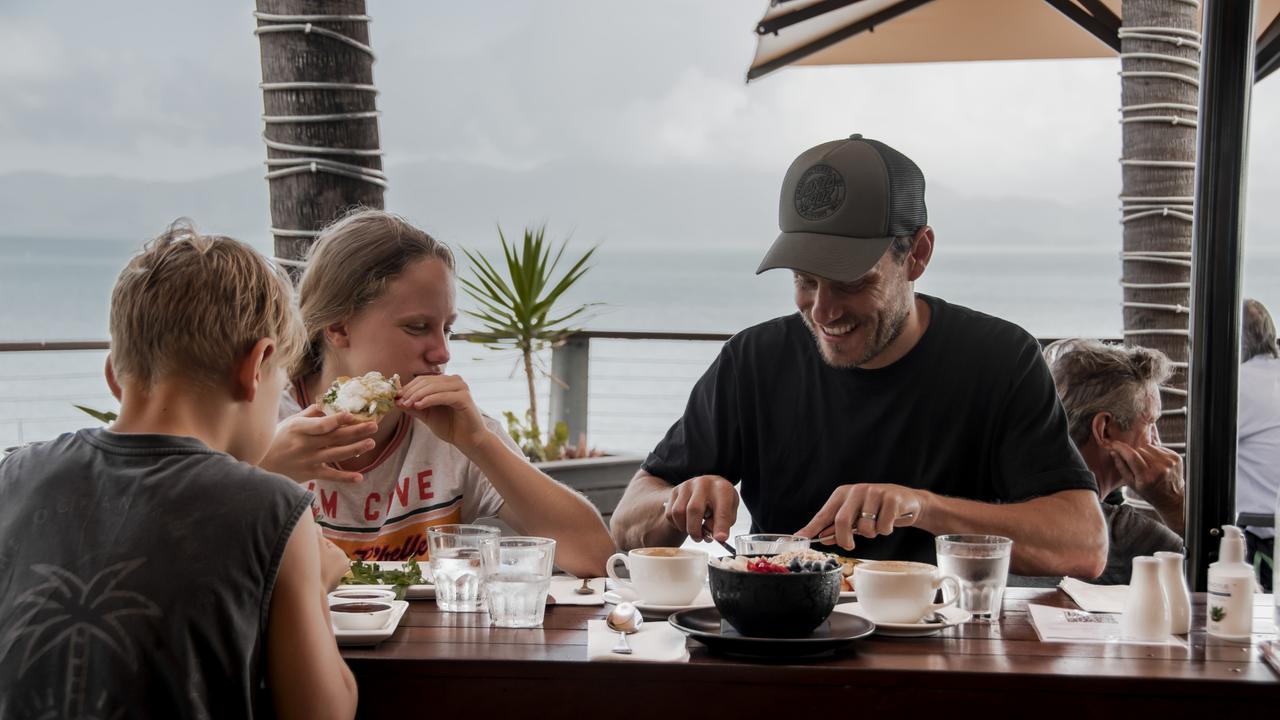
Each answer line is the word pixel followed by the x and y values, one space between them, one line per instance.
pixel 1231 587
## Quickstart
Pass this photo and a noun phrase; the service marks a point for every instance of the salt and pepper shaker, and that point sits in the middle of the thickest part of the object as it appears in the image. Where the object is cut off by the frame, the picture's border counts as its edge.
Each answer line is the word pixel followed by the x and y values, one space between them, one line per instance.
pixel 1146 606
pixel 1174 580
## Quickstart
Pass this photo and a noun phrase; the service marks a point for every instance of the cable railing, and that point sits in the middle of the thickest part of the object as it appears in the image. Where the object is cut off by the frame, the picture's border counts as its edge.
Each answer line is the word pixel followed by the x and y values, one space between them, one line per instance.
pixel 622 389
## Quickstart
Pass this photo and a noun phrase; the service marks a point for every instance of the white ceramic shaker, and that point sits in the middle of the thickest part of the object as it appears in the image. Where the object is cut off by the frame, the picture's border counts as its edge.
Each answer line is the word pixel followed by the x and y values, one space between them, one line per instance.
pixel 1174 580
pixel 1146 607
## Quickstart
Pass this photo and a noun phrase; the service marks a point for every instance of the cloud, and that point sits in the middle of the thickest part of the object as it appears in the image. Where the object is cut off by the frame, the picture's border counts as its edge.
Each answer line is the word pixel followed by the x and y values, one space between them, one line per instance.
pixel 165 91
pixel 170 91
pixel 30 52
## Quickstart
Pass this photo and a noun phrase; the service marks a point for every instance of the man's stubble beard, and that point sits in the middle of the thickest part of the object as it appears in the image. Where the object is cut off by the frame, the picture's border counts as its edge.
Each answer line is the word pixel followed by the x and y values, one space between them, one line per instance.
pixel 886 332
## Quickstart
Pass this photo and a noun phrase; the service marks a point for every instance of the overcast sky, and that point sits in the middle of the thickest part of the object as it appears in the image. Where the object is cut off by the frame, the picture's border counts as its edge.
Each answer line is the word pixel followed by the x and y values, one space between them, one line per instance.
pixel 168 90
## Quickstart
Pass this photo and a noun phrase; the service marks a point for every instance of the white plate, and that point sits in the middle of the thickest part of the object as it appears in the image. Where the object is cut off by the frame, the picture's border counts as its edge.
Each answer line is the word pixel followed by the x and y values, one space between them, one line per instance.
pixel 951 616
pixel 373 637
pixel 703 600
pixel 413 592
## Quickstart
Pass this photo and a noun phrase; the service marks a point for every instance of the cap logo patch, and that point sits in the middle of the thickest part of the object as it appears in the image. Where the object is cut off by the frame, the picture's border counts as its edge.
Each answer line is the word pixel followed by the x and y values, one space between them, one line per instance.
pixel 819 193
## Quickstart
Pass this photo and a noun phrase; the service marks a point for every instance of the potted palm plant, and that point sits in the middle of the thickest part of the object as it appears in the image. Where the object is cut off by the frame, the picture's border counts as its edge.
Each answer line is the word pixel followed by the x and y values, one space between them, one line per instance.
pixel 517 305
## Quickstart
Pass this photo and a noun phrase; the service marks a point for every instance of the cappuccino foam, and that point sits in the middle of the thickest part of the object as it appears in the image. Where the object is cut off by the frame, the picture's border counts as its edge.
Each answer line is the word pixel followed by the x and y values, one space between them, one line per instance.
pixel 663 552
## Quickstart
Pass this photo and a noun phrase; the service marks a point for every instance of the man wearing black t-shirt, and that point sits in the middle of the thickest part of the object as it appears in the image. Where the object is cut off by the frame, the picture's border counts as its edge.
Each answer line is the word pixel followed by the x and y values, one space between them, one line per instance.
pixel 874 412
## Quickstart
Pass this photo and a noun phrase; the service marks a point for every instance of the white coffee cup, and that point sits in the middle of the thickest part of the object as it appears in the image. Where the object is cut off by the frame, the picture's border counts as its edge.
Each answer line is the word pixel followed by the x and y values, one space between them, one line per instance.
pixel 662 576
pixel 894 591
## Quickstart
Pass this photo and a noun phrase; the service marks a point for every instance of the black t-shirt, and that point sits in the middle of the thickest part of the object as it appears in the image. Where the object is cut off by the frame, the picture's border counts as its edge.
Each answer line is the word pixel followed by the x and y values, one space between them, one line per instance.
pixel 970 412
pixel 1132 535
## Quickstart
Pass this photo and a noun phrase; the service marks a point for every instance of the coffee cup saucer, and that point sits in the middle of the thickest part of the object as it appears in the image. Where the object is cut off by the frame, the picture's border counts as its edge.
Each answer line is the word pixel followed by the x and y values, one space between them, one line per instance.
pixel 617 595
pixel 941 620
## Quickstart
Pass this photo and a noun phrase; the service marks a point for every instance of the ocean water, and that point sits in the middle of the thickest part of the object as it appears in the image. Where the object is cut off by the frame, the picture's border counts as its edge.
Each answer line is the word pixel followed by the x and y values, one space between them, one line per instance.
pixel 59 289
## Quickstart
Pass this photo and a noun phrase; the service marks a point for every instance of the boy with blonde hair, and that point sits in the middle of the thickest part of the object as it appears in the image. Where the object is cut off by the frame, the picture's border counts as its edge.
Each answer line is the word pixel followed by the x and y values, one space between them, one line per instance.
pixel 150 569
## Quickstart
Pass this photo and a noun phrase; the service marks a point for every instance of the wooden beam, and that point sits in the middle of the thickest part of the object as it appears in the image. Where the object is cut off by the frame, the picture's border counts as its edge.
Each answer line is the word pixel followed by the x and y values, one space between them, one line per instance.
pixel 1268 58
pixel 54 345
pixel 1102 14
pixel 840 35
pixel 1096 27
pixel 799 16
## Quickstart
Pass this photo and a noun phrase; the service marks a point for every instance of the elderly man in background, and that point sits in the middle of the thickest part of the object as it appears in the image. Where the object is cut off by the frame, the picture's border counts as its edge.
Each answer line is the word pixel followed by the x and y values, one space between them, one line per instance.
pixel 1112 398
pixel 1258 452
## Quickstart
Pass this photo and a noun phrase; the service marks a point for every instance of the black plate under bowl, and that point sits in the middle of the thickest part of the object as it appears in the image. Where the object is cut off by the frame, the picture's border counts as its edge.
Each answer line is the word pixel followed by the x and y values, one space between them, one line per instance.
pixel 707 627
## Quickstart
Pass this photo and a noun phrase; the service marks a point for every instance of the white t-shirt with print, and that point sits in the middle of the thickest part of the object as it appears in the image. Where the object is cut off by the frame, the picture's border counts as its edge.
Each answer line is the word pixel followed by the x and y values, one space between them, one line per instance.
pixel 418 480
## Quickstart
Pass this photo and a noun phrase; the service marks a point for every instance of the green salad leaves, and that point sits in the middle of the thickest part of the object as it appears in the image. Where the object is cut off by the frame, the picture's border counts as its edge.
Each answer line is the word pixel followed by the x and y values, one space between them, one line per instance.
pixel 410 573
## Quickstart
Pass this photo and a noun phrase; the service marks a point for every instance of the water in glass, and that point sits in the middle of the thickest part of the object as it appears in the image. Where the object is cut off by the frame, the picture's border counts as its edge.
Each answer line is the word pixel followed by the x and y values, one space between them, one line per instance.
pixel 459 579
pixel 981 582
pixel 517 578
pixel 981 563
pixel 517 600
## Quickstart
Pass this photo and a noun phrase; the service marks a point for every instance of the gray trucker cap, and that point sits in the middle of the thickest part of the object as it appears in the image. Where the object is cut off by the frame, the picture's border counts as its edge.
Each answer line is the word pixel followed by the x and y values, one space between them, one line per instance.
pixel 843 202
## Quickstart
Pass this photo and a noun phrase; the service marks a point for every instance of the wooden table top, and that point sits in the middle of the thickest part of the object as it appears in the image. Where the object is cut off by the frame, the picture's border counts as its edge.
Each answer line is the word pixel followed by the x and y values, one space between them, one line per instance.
pixel 1004 666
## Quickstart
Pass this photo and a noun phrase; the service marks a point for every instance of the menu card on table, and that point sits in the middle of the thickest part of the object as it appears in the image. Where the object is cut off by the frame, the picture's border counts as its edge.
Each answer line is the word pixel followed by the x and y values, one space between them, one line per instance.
pixel 1055 624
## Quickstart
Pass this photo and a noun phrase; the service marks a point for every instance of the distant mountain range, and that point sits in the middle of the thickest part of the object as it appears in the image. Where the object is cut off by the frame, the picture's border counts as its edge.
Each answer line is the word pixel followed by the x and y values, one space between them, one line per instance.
pixel 461 203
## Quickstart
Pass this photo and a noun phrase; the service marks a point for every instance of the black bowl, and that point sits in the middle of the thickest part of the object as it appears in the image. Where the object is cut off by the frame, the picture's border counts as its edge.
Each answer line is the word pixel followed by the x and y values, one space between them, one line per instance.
pixel 780 605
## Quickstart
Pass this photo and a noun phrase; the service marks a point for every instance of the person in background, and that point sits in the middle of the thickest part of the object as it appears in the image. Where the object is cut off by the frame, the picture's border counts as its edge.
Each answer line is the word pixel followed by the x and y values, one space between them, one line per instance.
pixel 1112 398
pixel 1258 433
pixel 378 294
pixel 149 570
pixel 875 411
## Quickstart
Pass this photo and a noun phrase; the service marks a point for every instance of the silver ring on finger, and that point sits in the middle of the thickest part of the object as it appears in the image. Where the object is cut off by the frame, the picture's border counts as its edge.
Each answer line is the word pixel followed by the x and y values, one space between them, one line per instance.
pixel 867 515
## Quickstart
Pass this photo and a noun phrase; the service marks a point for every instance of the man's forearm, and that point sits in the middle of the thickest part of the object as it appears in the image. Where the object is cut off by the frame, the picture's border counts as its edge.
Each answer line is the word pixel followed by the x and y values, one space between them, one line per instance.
pixel 1059 534
pixel 639 520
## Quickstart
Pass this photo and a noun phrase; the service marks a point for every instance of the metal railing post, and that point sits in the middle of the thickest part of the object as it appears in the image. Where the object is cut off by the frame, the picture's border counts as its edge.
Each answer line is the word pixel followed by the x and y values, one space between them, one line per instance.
pixel 570 363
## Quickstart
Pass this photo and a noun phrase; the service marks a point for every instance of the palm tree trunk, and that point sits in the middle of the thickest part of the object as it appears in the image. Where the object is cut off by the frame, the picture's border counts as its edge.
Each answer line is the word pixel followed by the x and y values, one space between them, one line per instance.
pixel 533 397
pixel 1158 164
pixel 320 116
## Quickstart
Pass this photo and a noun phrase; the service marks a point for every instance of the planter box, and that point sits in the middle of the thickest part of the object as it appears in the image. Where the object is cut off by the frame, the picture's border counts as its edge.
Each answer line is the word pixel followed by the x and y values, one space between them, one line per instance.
pixel 601 479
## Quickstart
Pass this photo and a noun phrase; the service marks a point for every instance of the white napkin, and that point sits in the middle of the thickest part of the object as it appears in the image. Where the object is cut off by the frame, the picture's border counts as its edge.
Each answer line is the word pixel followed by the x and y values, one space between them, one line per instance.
pixel 654 642
pixel 1095 598
pixel 563 587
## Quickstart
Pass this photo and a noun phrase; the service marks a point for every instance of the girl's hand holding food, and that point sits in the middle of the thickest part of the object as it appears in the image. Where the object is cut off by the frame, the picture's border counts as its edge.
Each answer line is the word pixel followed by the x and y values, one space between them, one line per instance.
pixel 308 445
pixel 445 404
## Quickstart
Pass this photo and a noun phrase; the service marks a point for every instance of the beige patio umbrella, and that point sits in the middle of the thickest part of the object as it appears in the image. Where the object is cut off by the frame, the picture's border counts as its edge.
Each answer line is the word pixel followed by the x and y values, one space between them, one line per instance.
pixel 861 32
pixel 1159 47
pixel 1160 54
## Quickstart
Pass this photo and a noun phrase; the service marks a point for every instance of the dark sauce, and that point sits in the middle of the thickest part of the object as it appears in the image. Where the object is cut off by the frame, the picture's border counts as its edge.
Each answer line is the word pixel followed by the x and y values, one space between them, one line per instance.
pixel 360 607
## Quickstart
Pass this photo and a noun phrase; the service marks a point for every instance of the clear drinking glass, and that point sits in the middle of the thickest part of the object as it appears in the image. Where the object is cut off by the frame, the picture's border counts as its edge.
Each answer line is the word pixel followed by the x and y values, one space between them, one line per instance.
pixel 456 567
pixel 517 574
pixel 981 562
pixel 769 544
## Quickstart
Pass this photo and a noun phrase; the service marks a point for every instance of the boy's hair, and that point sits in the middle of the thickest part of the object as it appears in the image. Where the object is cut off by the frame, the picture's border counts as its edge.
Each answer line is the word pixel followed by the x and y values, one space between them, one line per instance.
pixel 349 267
pixel 193 305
